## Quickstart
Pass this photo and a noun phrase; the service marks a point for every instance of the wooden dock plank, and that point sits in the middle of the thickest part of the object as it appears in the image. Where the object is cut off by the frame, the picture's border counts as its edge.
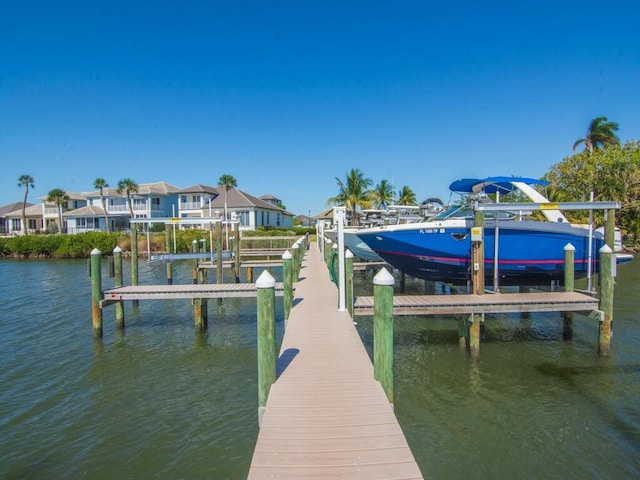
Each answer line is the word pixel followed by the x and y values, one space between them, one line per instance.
pixel 326 416
pixel 490 303
pixel 160 292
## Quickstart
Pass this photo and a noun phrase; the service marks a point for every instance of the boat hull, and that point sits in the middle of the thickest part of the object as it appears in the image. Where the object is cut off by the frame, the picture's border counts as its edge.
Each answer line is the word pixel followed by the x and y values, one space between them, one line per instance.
pixel 528 252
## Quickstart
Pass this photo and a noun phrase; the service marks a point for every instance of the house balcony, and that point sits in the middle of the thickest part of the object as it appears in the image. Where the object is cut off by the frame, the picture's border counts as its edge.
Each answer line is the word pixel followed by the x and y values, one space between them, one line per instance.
pixel 191 206
pixel 125 209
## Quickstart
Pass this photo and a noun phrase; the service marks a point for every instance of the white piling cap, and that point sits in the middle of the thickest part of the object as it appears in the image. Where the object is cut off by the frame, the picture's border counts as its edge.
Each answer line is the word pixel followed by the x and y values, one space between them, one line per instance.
pixel 348 254
pixel 117 250
pixel 287 255
pixel 606 249
pixel 569 247
pixel 295 245
pixel 265 280
pixel 194 241
pixel 383 277
pixel 95 251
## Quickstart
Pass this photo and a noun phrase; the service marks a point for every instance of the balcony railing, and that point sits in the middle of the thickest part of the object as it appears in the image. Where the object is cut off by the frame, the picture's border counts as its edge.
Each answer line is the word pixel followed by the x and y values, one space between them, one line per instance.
pixel 125 208
pixel 191 206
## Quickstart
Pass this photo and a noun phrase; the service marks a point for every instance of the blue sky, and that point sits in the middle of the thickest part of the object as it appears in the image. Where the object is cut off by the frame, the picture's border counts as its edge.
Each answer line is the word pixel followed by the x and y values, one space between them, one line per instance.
pixel 288 95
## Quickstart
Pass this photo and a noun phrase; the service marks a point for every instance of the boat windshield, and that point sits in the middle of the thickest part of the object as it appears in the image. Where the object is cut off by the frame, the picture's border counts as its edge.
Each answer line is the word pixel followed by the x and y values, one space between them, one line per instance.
pixel 464 211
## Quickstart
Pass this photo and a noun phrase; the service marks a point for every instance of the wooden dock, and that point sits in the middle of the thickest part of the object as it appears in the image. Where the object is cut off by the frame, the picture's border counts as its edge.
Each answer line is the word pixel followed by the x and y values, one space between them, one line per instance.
pixel 326 416
pixel 162 292
pixel 490 303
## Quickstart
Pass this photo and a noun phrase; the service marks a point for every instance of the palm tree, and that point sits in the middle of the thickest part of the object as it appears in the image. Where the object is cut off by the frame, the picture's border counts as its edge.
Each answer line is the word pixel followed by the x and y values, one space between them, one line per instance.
pixel 600 134
pixel 101 184
pixel 406 196
pixel 59 197
pixel 228 182
pixel 353 193
pixel 128 186
pixel 25 181
pixel 383 194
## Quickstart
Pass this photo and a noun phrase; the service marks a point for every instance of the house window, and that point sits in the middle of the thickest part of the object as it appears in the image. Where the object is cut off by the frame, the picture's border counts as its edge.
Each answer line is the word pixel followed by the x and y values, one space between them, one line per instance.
pixel 155 203
pixel 243 218
pixel 278 219
pixel 16 224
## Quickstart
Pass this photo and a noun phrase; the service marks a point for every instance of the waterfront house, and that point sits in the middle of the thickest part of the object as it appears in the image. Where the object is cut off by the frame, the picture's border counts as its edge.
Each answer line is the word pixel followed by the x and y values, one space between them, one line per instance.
pixel 251 212
pixel 152 200
pixel 13 219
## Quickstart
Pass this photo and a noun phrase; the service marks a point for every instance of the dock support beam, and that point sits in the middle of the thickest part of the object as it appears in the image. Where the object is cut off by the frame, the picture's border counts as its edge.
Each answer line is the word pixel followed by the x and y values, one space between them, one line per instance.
pixel 266 338
pixel 607 274
pixel 117 283
pixel 383 330
pixel 96 292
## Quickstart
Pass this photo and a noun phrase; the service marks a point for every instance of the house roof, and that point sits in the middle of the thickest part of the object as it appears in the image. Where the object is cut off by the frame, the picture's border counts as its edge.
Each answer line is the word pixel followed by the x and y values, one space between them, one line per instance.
pixel 238 199
pixel 269 197
pixel 12 207
pixel 199 188
pixel 157 188
pixel 70 196
pixel 88 211
pixel 30 211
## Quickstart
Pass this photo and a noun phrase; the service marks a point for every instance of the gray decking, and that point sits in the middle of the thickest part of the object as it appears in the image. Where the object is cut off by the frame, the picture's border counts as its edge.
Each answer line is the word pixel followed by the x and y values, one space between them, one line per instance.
pixel 326 416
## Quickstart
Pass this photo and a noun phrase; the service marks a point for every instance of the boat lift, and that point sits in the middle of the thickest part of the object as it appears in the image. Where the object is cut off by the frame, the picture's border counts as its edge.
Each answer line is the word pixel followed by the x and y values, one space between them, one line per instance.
pixel 549 208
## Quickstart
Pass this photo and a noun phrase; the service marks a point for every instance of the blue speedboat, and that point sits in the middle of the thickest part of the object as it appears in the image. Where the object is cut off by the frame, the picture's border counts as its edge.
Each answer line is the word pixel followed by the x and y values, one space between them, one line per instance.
pixel 526 252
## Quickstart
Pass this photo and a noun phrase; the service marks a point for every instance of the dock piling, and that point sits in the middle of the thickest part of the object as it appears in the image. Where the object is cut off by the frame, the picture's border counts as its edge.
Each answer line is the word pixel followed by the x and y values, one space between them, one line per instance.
pixel 266 313
pixel 607 274
pixel 348 265
pixel 383 331
pixel 117 283
pixel 287 279
pixel 96 292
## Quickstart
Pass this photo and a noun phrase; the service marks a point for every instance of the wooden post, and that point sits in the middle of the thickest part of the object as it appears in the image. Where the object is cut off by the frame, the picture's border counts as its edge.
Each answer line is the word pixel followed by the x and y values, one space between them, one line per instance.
pixel 266 338
pixel 96 292
pixel 569 267
pixel 202 281
pixel 403 282
pixel 117 283
pixel 383 330
pixel 477 257
pixel 167 248
pixel 287 279
pixel 610 228
pixel 607 273
pixel 194 249
pixel 249 274
pixel 569 282
pixel 295 253
pixel 236 248
pixel 348 266
pixel 219 272
pixel 474 335
pixel 134 254
pixel 134 259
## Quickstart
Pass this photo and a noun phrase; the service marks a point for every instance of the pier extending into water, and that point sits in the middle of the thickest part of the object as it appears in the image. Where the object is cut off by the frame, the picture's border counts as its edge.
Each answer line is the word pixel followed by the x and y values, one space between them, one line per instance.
pixel 326 415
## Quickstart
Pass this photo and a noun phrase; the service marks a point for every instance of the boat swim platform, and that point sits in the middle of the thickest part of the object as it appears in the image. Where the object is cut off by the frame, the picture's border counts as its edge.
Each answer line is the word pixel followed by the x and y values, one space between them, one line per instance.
pixel 326 416
pixel 461 304
pixel 163 292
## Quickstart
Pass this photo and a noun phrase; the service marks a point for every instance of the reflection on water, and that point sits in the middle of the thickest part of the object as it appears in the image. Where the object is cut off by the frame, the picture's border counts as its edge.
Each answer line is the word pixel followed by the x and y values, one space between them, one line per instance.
pixel 161 400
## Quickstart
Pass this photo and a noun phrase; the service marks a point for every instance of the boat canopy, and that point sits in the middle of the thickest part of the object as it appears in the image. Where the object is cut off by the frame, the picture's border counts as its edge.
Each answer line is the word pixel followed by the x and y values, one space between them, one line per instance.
pixel 492 184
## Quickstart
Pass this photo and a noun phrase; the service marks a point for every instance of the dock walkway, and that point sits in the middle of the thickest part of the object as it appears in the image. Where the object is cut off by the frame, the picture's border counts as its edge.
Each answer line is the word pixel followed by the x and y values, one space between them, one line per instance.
pixel 326 416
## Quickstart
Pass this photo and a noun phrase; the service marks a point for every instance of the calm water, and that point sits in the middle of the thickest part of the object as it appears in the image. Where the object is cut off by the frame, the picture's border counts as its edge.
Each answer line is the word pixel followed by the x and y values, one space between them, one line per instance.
pixel 161 401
